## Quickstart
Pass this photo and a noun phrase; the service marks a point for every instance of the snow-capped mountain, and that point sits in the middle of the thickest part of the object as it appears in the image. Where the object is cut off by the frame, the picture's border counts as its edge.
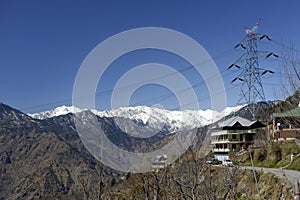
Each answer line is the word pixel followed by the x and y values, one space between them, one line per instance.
pixel 152 117
pixel 62 110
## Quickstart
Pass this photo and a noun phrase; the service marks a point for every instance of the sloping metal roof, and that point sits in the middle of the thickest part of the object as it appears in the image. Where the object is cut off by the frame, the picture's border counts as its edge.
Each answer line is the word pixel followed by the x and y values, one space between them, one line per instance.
pixel 233 120
pixel 291 113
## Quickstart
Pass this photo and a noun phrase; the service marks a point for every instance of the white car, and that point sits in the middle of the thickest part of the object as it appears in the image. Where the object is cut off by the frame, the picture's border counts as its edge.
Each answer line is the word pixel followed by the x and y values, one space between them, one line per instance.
pixel 213 161
pixel 227 163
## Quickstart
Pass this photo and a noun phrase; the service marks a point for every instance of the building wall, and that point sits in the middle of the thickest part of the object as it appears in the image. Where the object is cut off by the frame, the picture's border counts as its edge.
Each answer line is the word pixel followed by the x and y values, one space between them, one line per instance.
pixel 221 157
pixel 285 127
pixel 237 142
pixel 287 133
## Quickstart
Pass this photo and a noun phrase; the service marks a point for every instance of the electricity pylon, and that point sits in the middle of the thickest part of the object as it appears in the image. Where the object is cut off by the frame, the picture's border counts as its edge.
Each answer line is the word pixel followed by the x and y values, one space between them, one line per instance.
pixel 251 90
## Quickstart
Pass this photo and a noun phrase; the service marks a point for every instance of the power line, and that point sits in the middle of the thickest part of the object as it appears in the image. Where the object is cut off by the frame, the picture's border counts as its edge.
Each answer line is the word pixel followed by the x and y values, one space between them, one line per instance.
pixel 168 75
pixel 285 46
pixel 167 96
pixel 106 92
pixel 204 98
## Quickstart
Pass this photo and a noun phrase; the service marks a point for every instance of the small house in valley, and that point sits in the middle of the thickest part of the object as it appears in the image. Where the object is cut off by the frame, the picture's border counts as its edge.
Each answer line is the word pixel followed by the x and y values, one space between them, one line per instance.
pixel 160 162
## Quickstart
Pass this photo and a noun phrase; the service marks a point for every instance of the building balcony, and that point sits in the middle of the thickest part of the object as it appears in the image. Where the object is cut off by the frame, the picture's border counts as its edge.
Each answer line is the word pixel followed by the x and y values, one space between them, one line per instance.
pixel 232 132
pixel 216 150
pixel 221 150
pixel 227 141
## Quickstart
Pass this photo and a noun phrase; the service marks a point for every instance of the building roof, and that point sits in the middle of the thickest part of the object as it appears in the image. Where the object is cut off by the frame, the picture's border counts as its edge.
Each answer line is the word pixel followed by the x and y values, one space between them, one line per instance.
pixel 233 120
pixel 238 122
pixel 290 113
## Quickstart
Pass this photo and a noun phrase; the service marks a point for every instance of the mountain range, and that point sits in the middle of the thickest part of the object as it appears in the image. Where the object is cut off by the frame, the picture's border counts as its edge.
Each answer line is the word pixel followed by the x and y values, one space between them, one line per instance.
pixel 42 155
pixel 45 157
pixel 153 117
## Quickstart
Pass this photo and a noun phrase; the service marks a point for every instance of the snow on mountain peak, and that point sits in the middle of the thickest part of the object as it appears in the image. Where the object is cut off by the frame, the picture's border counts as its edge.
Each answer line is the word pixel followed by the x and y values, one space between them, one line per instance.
pixel 151 116
pixel 62 110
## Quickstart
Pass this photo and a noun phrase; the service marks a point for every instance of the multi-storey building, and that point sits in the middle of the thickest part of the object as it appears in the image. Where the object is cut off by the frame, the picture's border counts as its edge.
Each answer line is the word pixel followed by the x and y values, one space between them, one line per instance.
pixel 233 135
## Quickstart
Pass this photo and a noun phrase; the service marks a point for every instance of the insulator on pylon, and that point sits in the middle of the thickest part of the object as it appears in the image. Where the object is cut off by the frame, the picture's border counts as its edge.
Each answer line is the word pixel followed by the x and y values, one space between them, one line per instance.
pixel 252 87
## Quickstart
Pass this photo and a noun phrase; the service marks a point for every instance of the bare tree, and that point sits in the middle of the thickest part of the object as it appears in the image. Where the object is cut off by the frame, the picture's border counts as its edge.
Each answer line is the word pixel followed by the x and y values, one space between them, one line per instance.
pixel 84 186
pixel 151 185
pixel 290 79
pixel 93 183
pixel 189 179
pixel 145 187
pixel 231 180
pixel 99 171
pixel 291 66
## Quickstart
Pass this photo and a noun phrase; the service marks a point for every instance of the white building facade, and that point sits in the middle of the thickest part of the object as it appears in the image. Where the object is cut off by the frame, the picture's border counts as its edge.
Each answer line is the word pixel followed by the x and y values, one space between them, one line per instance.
pixel 233 135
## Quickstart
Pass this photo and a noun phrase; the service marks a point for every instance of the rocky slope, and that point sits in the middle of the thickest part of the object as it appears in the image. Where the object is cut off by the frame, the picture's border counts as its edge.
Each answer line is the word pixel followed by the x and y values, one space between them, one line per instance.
pixel 46 159
pixel 35 161
pixel 40 158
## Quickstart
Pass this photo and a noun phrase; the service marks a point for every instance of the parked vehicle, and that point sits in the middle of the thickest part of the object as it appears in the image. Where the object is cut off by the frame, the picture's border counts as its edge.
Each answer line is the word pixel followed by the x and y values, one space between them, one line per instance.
pixel 227 163
pixel 213 161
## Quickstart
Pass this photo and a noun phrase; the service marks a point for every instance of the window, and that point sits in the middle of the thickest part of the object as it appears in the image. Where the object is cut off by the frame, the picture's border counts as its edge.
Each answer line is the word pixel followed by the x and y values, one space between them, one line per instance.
pixel 233 146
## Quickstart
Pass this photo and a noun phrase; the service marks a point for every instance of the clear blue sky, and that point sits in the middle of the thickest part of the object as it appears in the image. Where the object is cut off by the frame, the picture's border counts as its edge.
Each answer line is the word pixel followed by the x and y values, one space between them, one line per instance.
pixel 43 43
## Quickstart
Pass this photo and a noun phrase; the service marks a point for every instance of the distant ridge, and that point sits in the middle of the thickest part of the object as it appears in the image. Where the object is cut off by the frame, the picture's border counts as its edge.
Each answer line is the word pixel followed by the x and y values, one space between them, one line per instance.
pixel 151 116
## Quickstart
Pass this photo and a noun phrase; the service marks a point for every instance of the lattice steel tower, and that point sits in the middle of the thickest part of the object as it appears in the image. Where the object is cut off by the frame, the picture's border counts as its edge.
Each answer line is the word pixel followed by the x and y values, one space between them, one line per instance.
pixel 251 90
